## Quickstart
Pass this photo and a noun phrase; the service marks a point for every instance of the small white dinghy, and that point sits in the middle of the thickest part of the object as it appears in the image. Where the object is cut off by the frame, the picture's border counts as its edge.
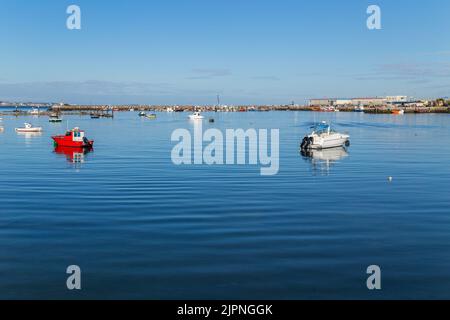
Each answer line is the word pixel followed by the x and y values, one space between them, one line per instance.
pixel 196 116
pixel 323 137
pixel 29 128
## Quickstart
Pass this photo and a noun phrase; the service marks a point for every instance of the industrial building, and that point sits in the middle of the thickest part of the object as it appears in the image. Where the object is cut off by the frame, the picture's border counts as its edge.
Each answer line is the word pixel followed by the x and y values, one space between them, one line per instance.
pixel 365 101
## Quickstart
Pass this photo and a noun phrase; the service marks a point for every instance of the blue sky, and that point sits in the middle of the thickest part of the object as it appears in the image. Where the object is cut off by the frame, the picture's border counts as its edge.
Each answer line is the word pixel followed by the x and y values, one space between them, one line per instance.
pixel 249 52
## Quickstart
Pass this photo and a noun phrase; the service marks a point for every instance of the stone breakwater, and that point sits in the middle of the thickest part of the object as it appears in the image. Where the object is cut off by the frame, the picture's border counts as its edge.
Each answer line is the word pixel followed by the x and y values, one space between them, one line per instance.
pixel 244 108
pixel 106 109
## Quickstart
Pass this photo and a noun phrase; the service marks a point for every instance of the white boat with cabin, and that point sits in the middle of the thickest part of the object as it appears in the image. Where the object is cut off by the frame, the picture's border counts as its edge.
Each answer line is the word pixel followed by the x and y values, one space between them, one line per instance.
pixel 323 137
pixel 28 128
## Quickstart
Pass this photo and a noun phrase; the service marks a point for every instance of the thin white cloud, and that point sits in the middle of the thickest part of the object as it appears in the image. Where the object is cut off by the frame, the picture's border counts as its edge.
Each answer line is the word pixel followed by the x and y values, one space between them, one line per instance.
pixel 209 73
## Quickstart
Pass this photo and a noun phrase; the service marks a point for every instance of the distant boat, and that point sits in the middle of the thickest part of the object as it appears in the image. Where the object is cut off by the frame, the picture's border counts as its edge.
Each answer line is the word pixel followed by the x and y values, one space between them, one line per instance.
pixel 329 109
pixel 196 116
pixel 398 112
pixel 54 118
pixel 170 110
pixel 142 114
pixel 95 116
pixel 29 128
pixel 34 111
pixel 359 109
pixel 151 116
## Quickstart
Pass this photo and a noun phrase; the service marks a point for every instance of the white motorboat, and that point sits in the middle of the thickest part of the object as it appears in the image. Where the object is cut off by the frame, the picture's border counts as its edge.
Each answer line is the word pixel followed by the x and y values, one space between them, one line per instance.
pixel 29 129
pixel 196 116
pixel 323 137
pixel 54 118
pixel 34 112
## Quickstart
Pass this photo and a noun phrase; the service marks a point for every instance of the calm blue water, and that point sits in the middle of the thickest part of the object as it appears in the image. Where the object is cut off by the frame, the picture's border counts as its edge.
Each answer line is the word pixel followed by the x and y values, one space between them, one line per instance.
pixel 141 227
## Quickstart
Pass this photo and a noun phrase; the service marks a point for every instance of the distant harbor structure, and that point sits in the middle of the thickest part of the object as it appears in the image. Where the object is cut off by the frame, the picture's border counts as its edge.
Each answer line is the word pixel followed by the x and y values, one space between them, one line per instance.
pixel 365 101
pixel 383 105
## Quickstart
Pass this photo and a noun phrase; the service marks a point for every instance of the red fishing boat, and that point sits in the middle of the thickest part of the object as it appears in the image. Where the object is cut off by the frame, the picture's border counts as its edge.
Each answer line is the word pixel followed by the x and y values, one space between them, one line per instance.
pixel 74 138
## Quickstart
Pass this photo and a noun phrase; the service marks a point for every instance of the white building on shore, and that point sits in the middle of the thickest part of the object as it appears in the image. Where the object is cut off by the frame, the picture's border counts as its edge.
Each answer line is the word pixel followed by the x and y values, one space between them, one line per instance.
pixel 365 101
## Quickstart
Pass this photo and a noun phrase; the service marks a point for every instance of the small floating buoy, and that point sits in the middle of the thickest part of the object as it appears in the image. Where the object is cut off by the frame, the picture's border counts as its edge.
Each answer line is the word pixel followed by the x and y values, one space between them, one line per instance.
pixel 390 179
pixel 211 120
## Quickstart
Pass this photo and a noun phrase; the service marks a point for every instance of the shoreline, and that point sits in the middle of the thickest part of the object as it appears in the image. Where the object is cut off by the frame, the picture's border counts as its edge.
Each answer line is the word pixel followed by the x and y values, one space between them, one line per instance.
pixel 104 109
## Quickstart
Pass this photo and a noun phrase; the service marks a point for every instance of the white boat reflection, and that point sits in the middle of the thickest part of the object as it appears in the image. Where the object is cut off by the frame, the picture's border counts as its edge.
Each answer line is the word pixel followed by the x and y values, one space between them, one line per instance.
pixel 29 135
pixel 323 160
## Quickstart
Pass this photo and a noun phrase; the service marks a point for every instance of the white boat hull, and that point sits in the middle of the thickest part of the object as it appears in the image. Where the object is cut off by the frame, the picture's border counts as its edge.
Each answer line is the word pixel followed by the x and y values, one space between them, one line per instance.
pixel 32 130
pixel 331 141
pixel 196 117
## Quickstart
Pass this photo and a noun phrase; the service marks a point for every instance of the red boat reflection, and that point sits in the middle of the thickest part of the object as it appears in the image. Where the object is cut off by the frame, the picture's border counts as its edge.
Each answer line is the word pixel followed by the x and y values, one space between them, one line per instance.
pixel 73 155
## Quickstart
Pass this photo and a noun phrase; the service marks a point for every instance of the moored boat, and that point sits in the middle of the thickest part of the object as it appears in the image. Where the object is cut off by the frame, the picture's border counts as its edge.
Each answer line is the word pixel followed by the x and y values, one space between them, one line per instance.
pixel 28 128
pixel 398 112
pixel 196 116
pixel 54 118
pixel 323 137
pixel 34 111
pixel 74 138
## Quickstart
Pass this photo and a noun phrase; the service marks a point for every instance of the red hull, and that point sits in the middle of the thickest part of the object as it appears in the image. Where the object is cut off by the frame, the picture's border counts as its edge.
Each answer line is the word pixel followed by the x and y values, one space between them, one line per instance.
pixel 66 141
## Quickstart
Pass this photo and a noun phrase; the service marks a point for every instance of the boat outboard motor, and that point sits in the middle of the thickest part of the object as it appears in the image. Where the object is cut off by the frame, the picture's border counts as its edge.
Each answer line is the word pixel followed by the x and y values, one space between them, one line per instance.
pixel 305 143
pixel 86 141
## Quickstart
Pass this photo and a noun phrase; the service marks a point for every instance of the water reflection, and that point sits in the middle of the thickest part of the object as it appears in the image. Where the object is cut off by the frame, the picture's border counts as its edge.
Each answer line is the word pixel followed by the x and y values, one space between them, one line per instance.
pixel 29 135
pixel 73 155
pixel 323 160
